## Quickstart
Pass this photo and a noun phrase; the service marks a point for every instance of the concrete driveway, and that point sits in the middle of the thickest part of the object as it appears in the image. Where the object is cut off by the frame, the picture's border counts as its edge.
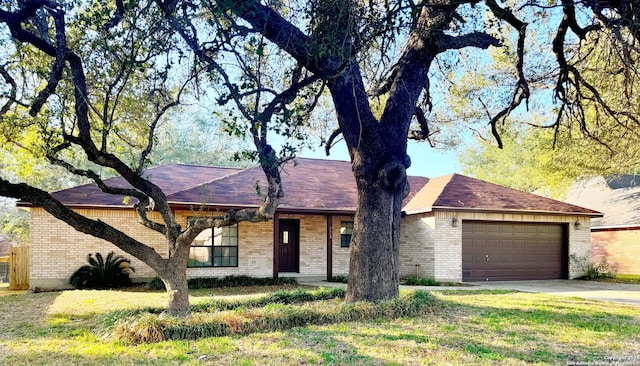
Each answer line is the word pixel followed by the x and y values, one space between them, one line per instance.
pixel 593 290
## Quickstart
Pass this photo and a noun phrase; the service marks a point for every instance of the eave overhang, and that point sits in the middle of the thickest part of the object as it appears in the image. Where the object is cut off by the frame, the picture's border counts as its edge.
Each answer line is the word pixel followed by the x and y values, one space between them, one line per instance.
pixel 502 211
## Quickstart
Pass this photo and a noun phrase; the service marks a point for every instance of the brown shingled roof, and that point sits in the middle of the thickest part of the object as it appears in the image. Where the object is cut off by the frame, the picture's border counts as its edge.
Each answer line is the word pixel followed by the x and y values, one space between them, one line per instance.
pixel 314 185
pixel 460 192
pixel 171 178
pixel 309 185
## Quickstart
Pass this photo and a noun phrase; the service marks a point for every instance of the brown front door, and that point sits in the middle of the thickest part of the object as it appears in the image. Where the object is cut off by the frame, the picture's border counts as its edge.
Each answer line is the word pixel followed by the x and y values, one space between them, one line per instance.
pixel 288 244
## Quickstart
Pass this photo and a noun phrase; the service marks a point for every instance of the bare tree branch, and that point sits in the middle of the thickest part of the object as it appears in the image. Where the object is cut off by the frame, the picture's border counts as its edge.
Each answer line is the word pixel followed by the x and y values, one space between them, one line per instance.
pixel 258 120
pixel 81 98
pixel 330 142
pixel 95 228
pixel 11 98
pixel 424 133
pixel 521 92
pixel 58 63
pixel 476 39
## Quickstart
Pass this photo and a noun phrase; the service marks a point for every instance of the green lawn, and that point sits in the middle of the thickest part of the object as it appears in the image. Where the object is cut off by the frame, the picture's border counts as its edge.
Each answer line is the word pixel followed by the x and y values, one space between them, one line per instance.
pixel 623 278
pixel 465 327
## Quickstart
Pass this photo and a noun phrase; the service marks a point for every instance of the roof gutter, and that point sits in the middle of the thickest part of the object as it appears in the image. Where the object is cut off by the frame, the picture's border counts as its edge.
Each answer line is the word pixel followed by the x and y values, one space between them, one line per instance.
pixel 280 209
pixel 496 210
pixel 209 207
pixel 77 205
pixel 616 228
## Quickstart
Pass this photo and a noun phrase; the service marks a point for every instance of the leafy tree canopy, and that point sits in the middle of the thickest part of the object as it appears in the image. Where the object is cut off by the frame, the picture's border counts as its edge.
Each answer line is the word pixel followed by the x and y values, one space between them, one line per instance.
pixel 545 154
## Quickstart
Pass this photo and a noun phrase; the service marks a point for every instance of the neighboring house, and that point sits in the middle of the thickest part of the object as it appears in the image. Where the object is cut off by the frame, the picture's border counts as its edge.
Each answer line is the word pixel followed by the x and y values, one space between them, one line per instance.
pixel 454 228
pixel 5 245
pixel 615 236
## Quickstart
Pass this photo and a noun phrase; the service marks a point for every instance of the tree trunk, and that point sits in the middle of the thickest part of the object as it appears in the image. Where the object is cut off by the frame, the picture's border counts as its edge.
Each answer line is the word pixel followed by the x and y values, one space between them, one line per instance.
pixel 373 264
pixel 175 280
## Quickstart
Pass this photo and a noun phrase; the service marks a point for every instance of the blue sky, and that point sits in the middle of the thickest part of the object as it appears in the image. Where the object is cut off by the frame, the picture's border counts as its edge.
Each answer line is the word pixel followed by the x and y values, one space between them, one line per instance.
pixel 425 160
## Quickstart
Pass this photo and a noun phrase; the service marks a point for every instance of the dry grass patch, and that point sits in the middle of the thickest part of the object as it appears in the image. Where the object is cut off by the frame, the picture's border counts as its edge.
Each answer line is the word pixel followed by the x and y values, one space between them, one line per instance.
pixel 278 311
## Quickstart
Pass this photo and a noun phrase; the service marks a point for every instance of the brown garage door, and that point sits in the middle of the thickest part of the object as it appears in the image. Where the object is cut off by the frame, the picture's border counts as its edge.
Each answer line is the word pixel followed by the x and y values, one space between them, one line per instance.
pixel 498 251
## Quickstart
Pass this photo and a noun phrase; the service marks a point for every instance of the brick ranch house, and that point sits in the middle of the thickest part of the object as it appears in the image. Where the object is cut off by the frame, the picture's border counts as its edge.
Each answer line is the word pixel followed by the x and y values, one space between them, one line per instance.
pixel 454 228
pixel 615 237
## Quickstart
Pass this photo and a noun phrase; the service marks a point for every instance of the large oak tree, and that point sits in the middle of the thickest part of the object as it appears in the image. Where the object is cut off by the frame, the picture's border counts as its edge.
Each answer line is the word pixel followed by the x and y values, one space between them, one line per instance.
pixel 86 88
pixel 272 61
pixel 364 50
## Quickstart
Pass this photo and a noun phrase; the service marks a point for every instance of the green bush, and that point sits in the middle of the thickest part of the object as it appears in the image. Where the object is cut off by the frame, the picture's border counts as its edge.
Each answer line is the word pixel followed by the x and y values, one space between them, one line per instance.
pixel 228 281
pixel 602 269
pixel 592 271
pixel 414 281
pixel 156 284
pixel 102 273
pixel 238 281
pixel 339 278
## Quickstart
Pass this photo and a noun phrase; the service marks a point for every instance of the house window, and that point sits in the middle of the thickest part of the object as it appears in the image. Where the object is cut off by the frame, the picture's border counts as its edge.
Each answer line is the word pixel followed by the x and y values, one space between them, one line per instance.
pixel 216 247
pixel 346 230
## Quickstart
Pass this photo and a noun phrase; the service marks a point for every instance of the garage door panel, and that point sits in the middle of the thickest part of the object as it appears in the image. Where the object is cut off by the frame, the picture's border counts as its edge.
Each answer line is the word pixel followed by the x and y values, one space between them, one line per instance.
pixel 505 244
pixel 534 230
pixel 480 243
pixel 494 272
pixel 506 272
pixel 548 258
pixel 506 258
pixel 531 258
pixel 479 257
pixel 516 251
pixel 479 273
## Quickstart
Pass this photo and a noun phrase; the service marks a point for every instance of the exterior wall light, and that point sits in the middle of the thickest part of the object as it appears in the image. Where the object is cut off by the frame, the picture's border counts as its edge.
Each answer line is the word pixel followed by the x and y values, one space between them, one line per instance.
pixel 454 222
pixel 577 225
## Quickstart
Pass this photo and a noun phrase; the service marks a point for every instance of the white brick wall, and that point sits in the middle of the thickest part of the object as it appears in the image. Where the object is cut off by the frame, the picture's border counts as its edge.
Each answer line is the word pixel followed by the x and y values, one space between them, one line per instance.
pixel 340 256
pixel 417 246
pixel 57 250
pixel 448 250
pixel 579 244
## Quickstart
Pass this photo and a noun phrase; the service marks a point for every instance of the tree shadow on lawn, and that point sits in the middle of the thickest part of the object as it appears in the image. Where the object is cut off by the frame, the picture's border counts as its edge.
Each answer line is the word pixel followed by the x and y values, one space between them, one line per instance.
pixel 24 314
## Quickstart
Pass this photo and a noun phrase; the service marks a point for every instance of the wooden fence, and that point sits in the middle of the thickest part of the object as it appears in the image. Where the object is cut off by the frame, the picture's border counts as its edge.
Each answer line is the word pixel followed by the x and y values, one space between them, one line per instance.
pixel 19 268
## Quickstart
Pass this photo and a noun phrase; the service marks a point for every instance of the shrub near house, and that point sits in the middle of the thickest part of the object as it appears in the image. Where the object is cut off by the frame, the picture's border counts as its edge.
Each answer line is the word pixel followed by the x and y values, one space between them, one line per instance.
pixel 103 273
